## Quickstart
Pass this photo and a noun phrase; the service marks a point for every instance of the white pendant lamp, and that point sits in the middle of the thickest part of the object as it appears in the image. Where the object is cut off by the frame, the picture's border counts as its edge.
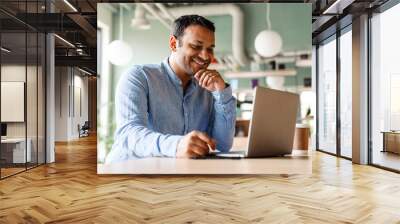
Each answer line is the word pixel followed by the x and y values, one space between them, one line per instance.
pixel 268 43
pixel 275 82
pixel 119 52
pixel 140 21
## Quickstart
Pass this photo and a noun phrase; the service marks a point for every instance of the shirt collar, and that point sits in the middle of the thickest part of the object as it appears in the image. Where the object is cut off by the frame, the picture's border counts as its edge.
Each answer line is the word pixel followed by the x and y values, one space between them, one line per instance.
pixel 171 72
pixel 173 75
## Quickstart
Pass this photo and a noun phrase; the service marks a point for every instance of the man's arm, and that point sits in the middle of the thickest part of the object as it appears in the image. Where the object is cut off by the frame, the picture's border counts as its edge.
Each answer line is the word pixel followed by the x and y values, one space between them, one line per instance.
pixel 133 137
pixel 224 118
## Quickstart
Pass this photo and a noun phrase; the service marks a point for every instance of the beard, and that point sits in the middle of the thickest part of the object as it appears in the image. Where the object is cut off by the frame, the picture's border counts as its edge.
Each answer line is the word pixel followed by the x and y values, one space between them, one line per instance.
pixel 196 64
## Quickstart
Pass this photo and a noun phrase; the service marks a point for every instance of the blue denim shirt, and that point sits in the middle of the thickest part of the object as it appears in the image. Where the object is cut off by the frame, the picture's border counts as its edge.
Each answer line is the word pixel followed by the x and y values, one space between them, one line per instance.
pixel 153 113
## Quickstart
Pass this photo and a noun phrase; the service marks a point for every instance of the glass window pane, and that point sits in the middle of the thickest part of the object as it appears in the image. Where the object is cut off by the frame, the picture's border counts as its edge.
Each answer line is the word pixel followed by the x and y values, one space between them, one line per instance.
pixel 31 97
pixel 327 97
pixel 22 88
pixel 346 94
pixel 41 98
pixel 14 153
pixel 386 89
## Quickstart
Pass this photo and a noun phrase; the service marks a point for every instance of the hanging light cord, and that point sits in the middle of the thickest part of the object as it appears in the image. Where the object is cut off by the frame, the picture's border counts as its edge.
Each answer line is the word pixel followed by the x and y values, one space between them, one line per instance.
pixel 269 27
pixel 120 22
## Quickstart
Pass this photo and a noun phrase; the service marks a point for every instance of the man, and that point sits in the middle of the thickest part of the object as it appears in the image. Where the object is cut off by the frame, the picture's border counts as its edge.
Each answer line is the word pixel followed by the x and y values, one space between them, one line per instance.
pixel 178 108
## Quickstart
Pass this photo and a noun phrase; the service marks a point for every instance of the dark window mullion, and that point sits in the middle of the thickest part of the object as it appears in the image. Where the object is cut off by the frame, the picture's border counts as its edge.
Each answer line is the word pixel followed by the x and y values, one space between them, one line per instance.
pixel 317 97
pixel 37 90
pixel 338 98
pixel 369 90
pixel 0 97
pixel 26 86
pixel 44 79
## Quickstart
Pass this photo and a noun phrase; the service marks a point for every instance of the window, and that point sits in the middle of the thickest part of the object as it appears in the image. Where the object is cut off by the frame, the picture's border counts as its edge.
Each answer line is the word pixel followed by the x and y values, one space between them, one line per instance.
pixel 385 89
pixel 22 76
pixel 346 94
pixel 327 96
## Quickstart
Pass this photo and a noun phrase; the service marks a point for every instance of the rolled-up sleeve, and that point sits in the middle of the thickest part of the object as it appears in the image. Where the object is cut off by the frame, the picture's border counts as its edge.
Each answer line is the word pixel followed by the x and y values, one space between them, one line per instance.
pixel 133 137
pixel 223 119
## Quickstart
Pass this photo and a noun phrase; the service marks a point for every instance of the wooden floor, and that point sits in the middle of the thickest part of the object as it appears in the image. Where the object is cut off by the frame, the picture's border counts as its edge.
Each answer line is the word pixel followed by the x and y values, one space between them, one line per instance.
pixel 70 191
pixel 10 171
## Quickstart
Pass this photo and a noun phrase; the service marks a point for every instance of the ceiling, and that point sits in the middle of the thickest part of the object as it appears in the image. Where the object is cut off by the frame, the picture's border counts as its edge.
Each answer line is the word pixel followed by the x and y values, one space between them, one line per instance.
pixel 76 22
pixel 330 15
pixel 77 27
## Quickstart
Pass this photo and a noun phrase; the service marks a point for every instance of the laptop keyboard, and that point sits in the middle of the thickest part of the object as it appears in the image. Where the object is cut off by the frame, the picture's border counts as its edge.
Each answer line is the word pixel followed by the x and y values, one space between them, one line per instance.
pixel 214 156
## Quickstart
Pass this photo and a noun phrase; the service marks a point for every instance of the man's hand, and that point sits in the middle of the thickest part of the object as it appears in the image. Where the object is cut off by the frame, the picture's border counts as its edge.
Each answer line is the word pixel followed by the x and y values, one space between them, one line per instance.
pixel 210 80
pixel 194 144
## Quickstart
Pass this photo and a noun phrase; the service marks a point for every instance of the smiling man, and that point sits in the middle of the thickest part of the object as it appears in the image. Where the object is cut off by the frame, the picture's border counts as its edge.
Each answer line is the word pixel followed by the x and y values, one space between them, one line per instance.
pixel 177 108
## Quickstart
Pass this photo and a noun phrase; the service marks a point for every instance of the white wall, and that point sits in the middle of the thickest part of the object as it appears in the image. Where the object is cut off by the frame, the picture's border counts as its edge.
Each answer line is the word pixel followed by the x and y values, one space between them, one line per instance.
pixel 61 103
pixel 80 84
pixel 67 115
pixel 17 73
pixel 33 126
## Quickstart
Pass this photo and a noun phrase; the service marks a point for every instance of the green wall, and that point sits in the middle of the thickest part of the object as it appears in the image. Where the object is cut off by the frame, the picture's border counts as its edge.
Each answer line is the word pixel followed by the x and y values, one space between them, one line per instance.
pixel 291 20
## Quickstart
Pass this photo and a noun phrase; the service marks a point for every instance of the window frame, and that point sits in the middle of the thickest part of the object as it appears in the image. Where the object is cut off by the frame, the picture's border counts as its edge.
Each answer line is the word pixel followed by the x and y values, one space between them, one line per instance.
pixel 381 9
pixel 334 37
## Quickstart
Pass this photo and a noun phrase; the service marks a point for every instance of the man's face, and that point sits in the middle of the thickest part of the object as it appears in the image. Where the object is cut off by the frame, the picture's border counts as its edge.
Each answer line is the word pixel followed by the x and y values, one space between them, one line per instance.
pixel 195 49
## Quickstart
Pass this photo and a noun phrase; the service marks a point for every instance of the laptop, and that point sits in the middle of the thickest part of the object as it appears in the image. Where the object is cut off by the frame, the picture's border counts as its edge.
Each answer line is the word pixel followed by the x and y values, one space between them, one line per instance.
pixel 272 125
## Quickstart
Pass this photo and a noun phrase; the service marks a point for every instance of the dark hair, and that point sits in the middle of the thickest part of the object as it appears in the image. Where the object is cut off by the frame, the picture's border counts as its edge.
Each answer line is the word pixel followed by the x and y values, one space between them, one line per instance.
pixel 181 23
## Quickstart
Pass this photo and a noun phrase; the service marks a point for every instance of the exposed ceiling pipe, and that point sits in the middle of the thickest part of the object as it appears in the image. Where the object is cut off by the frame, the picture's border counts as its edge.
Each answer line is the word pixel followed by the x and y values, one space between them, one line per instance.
pixel 164 10
pixel 233 10
pixel 153 12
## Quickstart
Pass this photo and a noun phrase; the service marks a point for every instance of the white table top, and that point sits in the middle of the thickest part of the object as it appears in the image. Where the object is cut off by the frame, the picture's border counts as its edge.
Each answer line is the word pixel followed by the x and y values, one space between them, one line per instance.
pixel 298 163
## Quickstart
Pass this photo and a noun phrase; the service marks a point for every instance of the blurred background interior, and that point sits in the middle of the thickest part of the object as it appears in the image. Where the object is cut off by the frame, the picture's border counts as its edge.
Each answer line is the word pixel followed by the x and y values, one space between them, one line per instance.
pixel 281 59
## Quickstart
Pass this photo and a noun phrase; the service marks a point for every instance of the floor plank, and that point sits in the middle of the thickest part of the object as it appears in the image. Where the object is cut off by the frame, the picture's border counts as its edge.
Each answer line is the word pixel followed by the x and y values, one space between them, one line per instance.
pixel 70 191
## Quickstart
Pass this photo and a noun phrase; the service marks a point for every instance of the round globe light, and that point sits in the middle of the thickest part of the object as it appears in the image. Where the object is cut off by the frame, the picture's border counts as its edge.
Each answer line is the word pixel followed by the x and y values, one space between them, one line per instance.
pixel 275 82
pixel 118 52
pixel 268 43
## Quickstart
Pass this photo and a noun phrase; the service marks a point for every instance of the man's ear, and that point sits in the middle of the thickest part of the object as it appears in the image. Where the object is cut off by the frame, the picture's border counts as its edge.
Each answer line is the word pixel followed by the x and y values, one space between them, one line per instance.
pixel 173 43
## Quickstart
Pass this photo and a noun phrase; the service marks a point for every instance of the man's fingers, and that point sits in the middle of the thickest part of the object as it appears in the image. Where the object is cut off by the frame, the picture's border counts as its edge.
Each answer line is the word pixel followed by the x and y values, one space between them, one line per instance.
pixel 205 80
pixel 204 75
pixel 199 73
pixel 206 139
pixel 210 75
pixel 214 144
pixel 199 142
pixel 191 154
pixel 210 80
pixel 198 151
